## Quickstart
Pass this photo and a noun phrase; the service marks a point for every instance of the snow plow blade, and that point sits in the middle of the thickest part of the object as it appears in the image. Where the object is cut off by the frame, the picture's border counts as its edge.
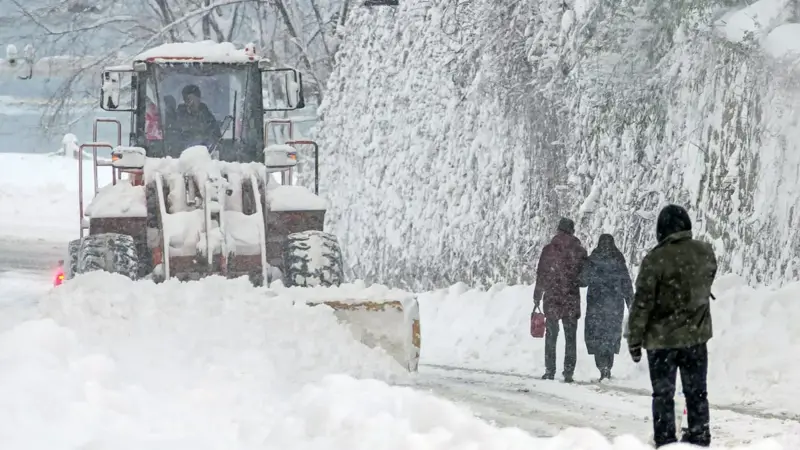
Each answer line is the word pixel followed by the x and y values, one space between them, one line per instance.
pixel 392 325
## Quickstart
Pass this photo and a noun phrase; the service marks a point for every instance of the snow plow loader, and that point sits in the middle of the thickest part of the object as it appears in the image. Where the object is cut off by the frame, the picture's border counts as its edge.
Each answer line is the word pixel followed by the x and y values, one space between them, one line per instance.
pixel 198 191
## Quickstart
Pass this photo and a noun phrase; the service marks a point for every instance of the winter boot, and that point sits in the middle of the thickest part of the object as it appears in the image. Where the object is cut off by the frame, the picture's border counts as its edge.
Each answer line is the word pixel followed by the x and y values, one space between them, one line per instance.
pixel 548 376
pixel 568 378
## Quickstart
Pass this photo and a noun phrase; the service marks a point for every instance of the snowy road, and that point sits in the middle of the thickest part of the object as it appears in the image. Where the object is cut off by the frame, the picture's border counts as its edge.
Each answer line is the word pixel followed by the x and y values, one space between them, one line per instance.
pixel 549 407
pixel 36 255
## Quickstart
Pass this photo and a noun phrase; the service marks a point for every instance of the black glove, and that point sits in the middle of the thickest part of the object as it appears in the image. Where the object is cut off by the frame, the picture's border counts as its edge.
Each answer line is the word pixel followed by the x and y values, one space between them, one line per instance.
pixel 636 352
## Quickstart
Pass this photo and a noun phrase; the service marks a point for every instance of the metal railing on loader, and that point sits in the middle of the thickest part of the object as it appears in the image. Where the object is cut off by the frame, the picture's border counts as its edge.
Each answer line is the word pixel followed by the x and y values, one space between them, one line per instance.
pixel 96 163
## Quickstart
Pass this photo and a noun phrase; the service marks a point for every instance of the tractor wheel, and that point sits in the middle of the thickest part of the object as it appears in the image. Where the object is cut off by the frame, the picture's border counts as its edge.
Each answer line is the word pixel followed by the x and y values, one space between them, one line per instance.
pixel 312 258
pixel 110 252
pixel 71 263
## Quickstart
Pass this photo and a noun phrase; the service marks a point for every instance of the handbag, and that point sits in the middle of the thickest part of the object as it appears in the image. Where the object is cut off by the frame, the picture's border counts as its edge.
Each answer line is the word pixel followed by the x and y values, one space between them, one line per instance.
pixel 538 323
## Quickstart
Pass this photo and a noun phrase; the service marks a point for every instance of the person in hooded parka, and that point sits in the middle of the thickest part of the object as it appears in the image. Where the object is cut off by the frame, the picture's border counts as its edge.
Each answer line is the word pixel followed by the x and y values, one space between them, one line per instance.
pixel 610 290
pixel 671 318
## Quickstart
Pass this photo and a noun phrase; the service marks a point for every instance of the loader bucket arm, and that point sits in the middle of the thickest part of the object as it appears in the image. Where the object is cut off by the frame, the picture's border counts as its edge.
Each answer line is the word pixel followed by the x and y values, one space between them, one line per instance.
pixel 392 325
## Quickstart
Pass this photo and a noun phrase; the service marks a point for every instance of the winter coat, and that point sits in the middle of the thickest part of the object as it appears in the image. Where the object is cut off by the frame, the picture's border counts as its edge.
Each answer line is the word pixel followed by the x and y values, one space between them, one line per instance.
pixel 557 277
pixel 609 290
pixel 197 127
pixel 671 307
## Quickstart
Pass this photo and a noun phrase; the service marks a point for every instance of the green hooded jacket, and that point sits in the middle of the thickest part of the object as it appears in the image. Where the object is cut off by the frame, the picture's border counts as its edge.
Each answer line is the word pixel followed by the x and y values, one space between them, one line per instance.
pixel 671 306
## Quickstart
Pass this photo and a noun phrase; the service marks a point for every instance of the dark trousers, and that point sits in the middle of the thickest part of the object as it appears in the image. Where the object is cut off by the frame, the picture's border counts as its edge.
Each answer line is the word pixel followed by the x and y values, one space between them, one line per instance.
pixel 693 364
pixel 571 348
pixel 604 361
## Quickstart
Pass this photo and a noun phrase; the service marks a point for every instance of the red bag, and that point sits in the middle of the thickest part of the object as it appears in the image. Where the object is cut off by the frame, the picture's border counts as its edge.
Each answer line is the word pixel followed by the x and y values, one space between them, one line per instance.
pixel 538 323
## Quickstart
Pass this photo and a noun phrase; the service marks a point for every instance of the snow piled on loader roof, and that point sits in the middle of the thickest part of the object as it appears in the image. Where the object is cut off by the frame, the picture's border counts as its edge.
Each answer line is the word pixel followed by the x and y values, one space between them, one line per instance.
pixel 204 51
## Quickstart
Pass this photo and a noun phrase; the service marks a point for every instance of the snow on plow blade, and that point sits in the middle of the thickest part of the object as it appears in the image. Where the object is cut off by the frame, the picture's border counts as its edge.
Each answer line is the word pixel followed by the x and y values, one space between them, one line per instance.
pixel 392 325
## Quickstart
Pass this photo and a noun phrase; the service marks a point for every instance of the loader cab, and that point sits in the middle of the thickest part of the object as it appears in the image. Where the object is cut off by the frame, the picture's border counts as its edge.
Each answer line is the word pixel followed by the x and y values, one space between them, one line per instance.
pixel 177 102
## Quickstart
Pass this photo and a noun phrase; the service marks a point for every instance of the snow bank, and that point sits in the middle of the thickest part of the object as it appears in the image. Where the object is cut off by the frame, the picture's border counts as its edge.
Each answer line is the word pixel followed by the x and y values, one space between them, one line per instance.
pixel 111 363
pixel 39 195
pixel 180 364
pixel 754 331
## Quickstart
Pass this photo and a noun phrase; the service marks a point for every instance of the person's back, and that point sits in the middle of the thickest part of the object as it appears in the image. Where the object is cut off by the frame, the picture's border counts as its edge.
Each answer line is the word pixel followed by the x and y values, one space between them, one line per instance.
pixel 681 315
pixel 671 318
pixel 609 290
pixel 557 286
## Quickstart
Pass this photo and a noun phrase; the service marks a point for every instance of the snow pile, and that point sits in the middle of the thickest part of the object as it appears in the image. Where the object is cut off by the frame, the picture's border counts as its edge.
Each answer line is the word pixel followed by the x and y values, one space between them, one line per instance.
pixel 133 363
pixel 39 195
pixel 112 363
pixel 754 330
pixel 293 198
pixel 343 413
pixel 118 200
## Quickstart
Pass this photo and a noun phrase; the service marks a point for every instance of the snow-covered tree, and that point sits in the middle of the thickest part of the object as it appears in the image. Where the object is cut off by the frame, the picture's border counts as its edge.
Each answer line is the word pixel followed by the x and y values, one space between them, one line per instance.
pixel 460 130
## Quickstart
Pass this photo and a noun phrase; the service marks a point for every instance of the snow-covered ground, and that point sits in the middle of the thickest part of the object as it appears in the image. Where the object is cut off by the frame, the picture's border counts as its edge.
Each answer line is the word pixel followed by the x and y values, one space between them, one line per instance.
pixel 750 365
pixel 103 362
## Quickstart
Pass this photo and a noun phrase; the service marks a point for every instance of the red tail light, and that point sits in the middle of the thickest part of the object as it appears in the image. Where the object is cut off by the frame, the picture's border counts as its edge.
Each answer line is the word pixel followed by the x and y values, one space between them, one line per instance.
pixel 59 278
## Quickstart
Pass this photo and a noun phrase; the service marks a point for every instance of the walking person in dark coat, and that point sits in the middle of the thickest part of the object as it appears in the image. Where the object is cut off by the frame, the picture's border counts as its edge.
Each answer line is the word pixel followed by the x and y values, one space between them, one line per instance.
pixel 557 285
pixel 610 290
pixel 671 319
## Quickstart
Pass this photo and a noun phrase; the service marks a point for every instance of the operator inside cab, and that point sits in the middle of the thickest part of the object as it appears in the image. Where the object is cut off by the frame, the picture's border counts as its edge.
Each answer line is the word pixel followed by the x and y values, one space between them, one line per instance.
pixel 196 123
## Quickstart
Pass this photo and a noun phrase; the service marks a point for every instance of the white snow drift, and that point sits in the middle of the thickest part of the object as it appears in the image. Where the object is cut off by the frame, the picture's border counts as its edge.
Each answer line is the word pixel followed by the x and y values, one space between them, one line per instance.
pixel 207 364
pixel 217 364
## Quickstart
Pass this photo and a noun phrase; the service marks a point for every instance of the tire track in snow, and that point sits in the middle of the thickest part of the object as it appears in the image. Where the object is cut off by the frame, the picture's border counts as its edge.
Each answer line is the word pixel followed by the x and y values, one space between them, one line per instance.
pixel 539 412
pixel 545 407
pixel 612 388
